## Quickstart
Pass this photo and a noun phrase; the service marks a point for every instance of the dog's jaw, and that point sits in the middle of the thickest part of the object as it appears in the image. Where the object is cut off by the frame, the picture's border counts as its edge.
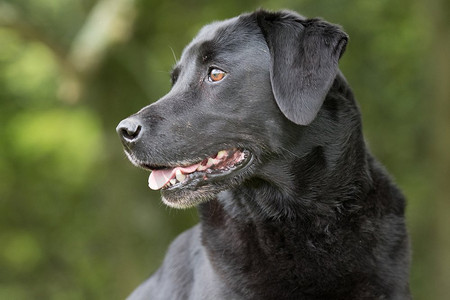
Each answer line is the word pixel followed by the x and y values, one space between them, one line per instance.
pixel 222 164
pixel 204 186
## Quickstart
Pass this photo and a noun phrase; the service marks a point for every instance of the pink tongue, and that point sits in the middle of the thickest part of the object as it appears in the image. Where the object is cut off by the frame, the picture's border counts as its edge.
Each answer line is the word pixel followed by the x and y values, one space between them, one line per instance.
pixel 160 178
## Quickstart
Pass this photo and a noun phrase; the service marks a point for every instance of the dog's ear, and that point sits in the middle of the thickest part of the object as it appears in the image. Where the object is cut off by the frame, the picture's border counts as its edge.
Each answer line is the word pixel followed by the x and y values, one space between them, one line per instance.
pixel 304 61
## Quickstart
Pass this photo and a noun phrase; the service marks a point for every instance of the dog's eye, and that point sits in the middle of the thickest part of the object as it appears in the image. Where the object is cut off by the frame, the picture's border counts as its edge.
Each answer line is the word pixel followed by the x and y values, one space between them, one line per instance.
pixel 216 75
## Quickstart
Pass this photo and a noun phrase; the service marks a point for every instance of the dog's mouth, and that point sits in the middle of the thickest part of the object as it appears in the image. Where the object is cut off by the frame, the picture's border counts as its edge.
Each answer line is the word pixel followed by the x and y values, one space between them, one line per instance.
pixel 219 166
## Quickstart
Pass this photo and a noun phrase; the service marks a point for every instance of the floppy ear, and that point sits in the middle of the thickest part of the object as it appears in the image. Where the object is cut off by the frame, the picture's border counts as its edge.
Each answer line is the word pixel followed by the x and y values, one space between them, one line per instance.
pixel 304 61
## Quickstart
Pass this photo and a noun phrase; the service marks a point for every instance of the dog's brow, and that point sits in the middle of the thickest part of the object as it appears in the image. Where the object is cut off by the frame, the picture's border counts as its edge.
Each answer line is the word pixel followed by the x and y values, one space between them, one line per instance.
pixel 207 51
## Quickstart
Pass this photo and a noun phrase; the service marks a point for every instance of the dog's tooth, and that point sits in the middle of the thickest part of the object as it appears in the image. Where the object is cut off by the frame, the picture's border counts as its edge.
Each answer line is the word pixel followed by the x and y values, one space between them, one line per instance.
pixel 180 176
pixel 173 181
pixel 210 162
pixel 221 154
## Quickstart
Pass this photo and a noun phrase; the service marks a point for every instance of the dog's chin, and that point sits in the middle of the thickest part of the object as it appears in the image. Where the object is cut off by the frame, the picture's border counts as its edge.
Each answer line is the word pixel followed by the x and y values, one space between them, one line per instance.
pixel 185 198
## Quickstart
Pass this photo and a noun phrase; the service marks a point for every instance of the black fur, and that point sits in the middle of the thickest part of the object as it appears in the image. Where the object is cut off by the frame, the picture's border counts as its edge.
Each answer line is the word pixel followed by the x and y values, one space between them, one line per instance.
pixel 312 215
pixel 310 50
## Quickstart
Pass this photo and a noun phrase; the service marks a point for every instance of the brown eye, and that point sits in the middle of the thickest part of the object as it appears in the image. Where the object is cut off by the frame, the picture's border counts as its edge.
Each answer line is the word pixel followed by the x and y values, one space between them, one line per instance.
pixel 216 75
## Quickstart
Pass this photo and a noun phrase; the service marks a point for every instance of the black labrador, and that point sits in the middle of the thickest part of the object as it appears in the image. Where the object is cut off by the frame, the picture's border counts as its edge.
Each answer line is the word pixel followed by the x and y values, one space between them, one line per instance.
pixel 262 133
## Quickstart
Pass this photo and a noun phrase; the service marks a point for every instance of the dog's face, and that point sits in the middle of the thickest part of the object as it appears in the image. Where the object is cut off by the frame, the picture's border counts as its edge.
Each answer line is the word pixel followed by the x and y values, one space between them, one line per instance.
pixel 239 86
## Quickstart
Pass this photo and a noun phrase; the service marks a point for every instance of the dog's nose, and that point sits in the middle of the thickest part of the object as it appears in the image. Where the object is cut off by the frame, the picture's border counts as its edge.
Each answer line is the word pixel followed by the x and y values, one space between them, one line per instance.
pixel 129 130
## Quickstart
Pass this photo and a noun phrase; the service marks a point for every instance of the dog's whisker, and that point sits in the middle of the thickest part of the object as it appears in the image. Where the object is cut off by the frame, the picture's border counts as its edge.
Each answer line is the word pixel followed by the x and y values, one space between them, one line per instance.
pixel 174 56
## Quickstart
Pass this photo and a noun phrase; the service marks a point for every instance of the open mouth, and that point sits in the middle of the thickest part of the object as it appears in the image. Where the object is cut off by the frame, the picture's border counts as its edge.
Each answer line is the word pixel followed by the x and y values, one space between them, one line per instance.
pixel 221 165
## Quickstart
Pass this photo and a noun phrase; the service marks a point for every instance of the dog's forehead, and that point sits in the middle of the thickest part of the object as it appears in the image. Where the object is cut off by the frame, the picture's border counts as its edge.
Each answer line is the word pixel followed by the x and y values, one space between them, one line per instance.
pixel 231 31
pixel 210 31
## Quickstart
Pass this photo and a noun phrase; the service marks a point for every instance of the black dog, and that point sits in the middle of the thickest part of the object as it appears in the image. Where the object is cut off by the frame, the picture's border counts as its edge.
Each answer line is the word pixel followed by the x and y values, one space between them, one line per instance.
pixel 261 131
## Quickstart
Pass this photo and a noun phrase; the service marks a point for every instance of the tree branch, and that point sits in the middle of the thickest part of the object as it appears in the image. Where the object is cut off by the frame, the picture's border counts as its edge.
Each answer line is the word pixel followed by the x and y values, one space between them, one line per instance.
pixel 109 22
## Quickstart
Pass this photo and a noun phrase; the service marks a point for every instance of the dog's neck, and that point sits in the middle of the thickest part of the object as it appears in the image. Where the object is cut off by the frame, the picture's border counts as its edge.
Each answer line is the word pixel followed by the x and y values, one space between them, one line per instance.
pixel 242 237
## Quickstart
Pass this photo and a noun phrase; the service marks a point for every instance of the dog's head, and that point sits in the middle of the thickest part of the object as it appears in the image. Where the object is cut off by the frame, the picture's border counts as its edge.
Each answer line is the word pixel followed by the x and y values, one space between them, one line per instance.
pixel 241 87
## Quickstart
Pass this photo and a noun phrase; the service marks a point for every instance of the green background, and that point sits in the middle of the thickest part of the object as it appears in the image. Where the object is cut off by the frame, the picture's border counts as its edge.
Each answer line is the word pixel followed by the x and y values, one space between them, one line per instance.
pixel 77 220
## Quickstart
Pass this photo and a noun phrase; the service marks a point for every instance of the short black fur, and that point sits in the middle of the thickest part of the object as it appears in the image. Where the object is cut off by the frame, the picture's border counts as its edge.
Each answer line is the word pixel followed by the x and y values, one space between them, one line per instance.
pixel 313 215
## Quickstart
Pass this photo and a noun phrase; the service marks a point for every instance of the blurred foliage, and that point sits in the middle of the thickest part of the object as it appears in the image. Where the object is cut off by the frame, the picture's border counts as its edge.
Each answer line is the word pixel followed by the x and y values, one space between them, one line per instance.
pixel 76 218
